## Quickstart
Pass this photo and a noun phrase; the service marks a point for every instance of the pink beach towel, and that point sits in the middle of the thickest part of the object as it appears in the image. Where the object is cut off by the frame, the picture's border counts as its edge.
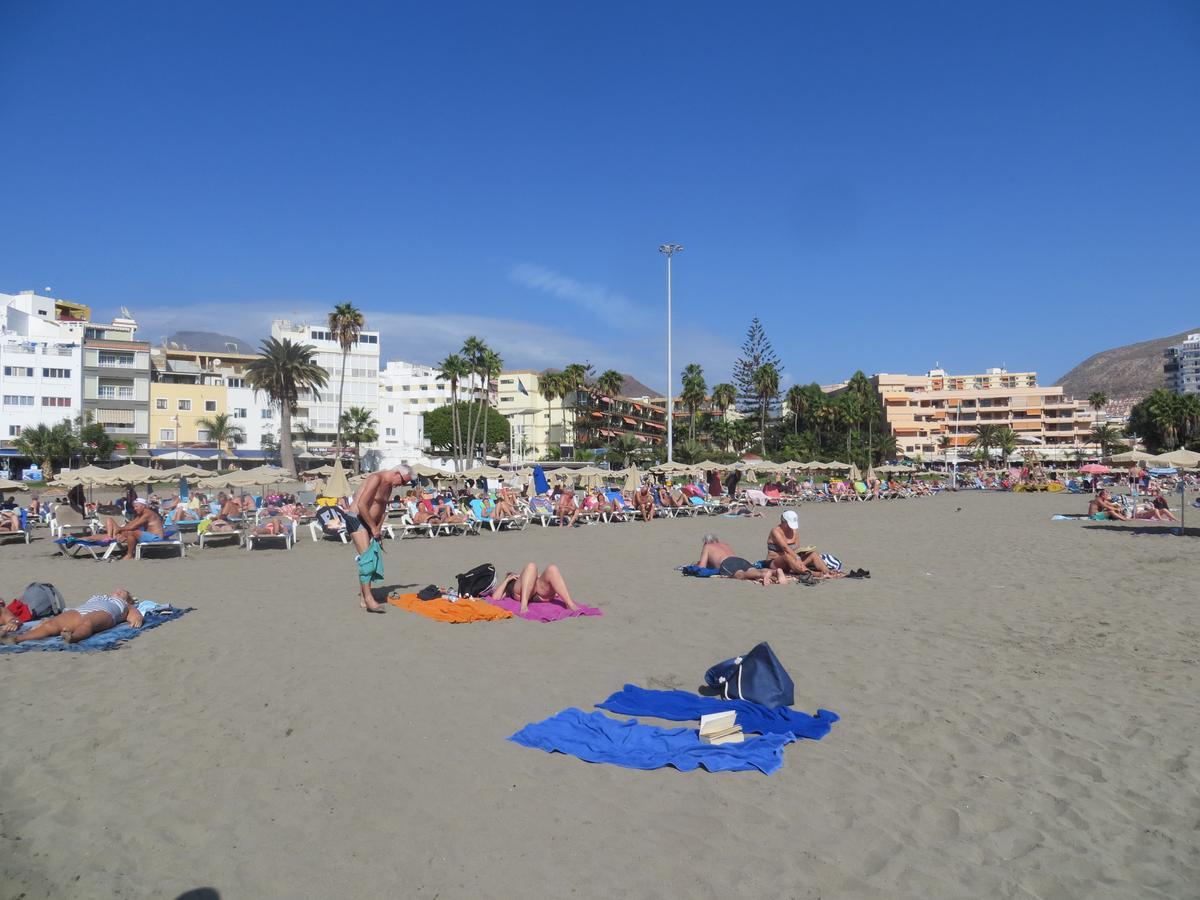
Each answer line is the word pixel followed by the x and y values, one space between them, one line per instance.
pixel 542 611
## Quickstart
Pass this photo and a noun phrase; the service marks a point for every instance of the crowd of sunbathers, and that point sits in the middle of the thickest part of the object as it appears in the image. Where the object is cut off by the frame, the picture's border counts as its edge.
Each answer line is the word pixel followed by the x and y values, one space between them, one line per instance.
pixel 1152 507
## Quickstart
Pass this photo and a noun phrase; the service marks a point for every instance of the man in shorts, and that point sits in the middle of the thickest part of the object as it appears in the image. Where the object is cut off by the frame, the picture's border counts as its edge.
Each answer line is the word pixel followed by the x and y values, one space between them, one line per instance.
pixel 363 522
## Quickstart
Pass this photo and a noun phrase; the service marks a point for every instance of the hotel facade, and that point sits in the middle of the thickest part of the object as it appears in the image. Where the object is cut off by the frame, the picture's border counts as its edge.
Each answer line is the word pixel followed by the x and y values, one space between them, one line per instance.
pixel 934 416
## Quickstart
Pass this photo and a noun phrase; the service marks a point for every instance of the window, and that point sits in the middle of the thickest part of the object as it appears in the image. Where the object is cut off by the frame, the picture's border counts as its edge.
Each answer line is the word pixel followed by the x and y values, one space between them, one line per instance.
pixel 506 399
pixel 239 413
pixel 113 358
pixel 389 432
pixel 202 434
pixel 56 373
pixel 18 371
pixel 14 430
pixel 235 382
pixel 160 402
pixel 369 339
pixel 185 405
pixel 210 405
pixel 166 434
pixel 424 387
pixel 506 381
pixel 115 390
pixel 56 401
pixel 18 400
pixel 265 414
pixel 391 408
pixel 321 335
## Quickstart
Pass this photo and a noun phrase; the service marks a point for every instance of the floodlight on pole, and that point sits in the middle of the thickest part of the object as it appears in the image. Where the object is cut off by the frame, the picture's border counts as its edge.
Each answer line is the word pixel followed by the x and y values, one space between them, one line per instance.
pixel 670 250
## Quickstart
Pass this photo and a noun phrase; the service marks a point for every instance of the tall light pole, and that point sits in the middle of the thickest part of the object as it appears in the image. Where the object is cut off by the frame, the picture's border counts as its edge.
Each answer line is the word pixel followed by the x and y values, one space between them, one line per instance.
pixel 670 250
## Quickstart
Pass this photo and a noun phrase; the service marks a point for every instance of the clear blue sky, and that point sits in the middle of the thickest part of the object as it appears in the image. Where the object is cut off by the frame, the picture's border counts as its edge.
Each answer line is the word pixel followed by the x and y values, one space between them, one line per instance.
pixel 885 184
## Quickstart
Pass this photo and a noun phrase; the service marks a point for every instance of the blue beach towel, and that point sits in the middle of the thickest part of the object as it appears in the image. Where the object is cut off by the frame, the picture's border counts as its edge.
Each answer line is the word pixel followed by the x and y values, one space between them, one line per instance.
pixel 681 706
pixel 155 614
pixel 594 737
pixel 699 571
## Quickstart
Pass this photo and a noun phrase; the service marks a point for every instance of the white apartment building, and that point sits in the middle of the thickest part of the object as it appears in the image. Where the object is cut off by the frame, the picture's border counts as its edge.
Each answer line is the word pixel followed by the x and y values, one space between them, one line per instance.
pixel 406 391
pixel 253 413
pixel 362 376
pixel 1183 366
pixel 41 357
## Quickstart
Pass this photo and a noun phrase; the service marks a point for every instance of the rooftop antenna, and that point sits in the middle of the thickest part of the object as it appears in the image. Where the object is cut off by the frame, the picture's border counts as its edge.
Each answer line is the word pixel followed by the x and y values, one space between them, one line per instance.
pixel 125 313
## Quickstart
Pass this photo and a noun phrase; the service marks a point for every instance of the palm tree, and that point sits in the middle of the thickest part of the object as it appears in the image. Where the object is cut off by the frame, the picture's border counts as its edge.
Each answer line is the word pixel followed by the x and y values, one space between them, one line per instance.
pixel 453 369
pixel 626 448
pixel 92 440
pixel 490 366
pixel 130 445
pixel 690 452
pixel 549 384
pixel 47 445
pixel 222 431
pixel 1107 437
pixel 1006 442
pixel 281 372
pixel 723 396
pixel 345 325
pixel 473 350
pixel 359 427
pixel 766 389
pixel 572 380
pixel 1097 401
pixel 796 400
pixel 985 439
pixel 693 393
pixel 610 383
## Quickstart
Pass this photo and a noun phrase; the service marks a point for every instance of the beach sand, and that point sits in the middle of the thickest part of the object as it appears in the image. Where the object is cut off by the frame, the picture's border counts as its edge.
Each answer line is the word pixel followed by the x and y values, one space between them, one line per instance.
pixel 1019 703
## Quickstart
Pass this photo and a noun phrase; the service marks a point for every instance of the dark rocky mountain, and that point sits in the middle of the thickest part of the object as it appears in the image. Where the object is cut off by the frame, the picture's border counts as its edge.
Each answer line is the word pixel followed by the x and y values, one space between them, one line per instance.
pixel 1124 373
pixel 209 342
pixel 631 388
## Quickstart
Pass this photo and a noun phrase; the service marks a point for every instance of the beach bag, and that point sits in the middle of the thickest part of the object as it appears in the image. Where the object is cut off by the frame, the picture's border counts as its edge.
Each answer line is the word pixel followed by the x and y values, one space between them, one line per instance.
pixel 832 563
pixel 477 581
pixel 758 676
pixel 43 600
pixel 429 592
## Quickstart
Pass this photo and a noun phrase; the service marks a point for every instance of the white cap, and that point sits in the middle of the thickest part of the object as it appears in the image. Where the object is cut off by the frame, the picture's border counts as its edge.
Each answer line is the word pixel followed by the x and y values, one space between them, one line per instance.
pixel 139 500
pixel 791 518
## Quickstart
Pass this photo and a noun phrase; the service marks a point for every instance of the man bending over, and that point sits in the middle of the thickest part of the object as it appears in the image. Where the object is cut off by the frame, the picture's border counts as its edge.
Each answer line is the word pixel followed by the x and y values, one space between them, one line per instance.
pixel 363 522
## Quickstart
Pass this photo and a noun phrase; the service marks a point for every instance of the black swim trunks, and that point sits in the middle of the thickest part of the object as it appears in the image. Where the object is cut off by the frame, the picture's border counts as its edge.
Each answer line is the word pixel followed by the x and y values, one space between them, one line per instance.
pixel 731 565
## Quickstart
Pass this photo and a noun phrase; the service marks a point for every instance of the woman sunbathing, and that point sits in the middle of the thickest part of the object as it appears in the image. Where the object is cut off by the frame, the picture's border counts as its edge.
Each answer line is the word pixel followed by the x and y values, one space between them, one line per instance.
pixel 644 503
pixel 784 550
pixel 10 520
pixel 566 510
pixel 273 521
pixel 529 585
pixel 99 613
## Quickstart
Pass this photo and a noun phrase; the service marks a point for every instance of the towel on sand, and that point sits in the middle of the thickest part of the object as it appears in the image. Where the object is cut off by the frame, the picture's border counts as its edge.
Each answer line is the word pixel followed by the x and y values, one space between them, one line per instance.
pixel 681 706
pixel 543 611
pixel 161 614
pixel 443 610
pixel 595 737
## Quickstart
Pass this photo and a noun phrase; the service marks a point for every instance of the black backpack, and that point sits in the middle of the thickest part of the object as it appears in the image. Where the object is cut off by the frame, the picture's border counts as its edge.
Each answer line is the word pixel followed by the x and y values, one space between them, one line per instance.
pixel 477 581
pixel 43 600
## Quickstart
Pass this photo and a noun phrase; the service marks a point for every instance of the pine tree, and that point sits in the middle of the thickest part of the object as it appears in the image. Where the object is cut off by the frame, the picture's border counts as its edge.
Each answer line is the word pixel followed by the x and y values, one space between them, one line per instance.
pixel 756 353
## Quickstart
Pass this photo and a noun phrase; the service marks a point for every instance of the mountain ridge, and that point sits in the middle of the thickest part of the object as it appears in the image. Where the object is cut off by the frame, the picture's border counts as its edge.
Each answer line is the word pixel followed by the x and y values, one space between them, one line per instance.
pixel 1128 372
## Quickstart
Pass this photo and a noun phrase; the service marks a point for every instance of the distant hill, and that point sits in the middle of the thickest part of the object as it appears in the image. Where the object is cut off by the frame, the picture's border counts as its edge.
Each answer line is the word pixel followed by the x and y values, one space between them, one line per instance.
pixel 208 342
pixel 1124 373
pixel 631 388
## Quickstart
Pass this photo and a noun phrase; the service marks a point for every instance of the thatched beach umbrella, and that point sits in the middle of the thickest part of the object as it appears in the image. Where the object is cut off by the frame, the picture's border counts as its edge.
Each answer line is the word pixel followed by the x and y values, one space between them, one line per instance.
pixel 7 484
pixel 336 485
pixel 633 478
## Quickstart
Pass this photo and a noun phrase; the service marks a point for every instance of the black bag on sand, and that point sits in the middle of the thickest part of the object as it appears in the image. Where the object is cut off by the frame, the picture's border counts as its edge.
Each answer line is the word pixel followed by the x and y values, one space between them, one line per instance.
pixel 477 581
pixel 429 592
pixel 758 676
pixel 43 600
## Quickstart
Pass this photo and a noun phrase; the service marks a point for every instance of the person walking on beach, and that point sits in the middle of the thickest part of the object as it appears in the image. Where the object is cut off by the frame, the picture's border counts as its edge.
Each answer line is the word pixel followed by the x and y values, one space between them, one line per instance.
pixel 363 522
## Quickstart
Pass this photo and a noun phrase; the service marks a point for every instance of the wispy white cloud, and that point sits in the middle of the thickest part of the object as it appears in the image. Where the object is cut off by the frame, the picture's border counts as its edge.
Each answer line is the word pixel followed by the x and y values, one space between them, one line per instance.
pixel 609 306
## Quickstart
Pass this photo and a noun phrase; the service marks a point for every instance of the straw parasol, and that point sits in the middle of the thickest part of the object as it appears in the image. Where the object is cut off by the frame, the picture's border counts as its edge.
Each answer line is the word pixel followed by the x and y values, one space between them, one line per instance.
pixel 1132 456
pixel 7 484
pixel 323 471
pixel 483 472
pixel 130 473
pixel 855 475
pixel 188 472
pixel 633 478
pixel 425 471
pixel 589 476
pixel 1178 459
pixel 87 475
pixel 336 485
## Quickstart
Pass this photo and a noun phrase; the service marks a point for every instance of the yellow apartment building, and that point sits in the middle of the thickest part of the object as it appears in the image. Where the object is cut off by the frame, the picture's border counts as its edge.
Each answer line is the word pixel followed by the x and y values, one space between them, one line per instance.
pixel 176 411
pixel 927 411
pixel 190 385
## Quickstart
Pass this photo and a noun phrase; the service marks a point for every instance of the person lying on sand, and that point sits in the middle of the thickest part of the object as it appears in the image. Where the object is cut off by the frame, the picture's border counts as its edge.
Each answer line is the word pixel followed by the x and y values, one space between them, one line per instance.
pixel 98 613
pixel 529 585
pixel 715 554
pixel 784 550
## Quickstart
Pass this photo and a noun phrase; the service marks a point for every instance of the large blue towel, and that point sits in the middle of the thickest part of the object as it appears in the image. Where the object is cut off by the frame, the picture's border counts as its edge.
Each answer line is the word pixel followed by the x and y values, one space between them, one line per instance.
pixel 680 706
pixel 105 640
pixel 595 737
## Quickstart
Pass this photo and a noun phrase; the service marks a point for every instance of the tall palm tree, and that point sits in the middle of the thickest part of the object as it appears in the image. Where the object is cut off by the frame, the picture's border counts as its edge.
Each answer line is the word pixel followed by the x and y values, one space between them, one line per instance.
pixel 1097 401
pixel 358 425
pixel 490 366
pixel 766 389
pixel 222 432
pixel 281 372
pixel 473 350
pixel 723 396
pixel 693 393
pixel 453 369
pixel 797 403
pixel 573 379
pixel 549 385
pixel 1006 442
pixel 345 324
pixel 610 383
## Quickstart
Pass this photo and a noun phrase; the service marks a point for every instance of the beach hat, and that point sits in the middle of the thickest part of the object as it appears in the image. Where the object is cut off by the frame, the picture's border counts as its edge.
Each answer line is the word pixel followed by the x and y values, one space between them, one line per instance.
pixel 141 500
pixel 791 518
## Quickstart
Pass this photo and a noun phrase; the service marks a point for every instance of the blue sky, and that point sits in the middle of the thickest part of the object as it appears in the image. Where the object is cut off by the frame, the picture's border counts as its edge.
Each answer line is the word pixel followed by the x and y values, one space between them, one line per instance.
pixel 885 184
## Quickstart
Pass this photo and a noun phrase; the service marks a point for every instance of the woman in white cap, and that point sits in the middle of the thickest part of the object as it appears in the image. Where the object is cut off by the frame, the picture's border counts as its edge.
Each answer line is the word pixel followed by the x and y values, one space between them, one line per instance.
pixel 784 550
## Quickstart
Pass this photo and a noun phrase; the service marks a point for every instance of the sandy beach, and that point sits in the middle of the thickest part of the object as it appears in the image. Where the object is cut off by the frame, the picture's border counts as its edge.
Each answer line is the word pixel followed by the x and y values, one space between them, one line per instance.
pixel 1018 700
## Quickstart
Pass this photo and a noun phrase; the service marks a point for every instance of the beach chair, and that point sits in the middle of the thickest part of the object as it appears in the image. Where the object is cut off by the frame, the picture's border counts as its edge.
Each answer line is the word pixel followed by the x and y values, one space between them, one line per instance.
pixel 171 538
pixel 408 528
pixel 511 523
pixel 25 533
pixel 66 521
pixel 229 538
pixel 97 547
pixel 287 537
pixel 319 532
pixel 541 510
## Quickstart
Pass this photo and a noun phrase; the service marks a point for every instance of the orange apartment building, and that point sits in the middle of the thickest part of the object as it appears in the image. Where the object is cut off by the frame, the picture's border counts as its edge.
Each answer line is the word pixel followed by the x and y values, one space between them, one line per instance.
pixel 924 409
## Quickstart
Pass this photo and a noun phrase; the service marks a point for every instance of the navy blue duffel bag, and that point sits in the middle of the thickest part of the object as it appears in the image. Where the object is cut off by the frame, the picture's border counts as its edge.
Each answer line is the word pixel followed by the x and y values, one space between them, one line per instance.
pixel 758 676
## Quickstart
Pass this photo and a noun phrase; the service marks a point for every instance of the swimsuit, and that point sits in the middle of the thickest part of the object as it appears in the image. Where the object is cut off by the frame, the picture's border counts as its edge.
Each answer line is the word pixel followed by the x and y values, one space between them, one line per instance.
pixel 113 606
pixel 731 565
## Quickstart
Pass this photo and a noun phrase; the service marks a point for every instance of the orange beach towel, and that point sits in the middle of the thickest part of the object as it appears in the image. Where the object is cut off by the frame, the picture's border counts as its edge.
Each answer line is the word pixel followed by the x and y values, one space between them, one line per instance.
pixel 445 611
